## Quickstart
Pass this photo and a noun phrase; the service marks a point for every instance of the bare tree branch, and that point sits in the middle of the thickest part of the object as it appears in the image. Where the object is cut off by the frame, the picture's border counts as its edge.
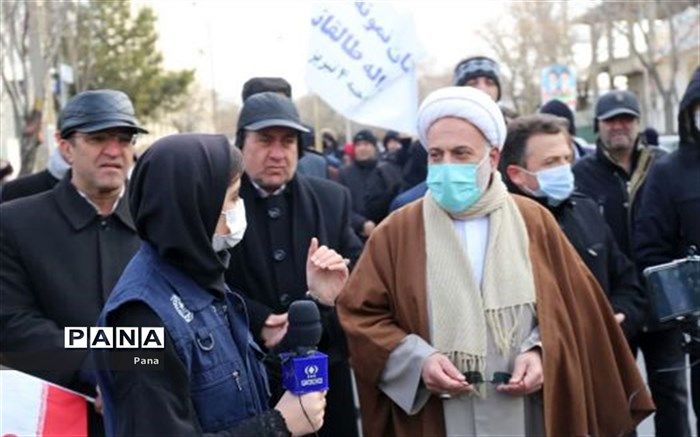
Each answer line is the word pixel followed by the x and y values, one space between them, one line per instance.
pixel 23 63
pixel 14 22
pixel 30 43
pixel 55 33
pixel 523 52
pixel 14 100
pixel 672 47
pixel 649 58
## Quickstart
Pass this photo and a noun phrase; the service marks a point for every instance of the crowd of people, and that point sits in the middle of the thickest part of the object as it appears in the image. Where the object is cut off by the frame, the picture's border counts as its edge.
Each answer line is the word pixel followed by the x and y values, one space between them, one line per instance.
pixel 484 278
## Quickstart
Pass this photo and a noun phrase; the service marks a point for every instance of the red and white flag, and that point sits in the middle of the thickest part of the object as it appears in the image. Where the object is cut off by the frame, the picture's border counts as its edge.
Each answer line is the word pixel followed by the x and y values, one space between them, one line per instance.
pixel 30 406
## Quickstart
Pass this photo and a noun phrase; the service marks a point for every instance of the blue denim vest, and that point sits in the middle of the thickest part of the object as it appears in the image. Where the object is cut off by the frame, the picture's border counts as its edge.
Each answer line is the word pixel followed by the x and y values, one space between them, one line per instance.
pixel 227 379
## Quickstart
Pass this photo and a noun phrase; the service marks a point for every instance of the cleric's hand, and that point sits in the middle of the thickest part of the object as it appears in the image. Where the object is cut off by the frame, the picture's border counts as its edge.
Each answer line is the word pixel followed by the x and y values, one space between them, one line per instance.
pixel 441 377
pixel 528 375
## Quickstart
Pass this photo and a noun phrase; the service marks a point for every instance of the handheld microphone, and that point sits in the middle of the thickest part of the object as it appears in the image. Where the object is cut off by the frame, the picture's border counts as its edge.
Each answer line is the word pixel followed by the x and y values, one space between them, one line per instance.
pixel 304 369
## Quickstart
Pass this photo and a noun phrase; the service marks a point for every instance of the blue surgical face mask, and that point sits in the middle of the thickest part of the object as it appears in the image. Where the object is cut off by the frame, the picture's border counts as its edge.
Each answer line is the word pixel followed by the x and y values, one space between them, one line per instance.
pixel 556 184
pixel 455 187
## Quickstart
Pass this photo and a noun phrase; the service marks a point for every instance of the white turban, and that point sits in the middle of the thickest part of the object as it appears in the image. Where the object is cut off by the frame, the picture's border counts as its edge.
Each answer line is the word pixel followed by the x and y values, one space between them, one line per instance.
pixel 468 103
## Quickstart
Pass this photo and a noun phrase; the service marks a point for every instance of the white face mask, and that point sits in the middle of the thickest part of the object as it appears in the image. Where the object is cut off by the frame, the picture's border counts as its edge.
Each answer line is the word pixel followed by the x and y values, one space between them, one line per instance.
pixel 556 184
pixel 237 224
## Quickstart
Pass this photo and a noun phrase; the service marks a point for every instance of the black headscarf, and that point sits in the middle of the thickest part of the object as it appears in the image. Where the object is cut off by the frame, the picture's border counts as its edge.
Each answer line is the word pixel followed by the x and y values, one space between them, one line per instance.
pixel 176 193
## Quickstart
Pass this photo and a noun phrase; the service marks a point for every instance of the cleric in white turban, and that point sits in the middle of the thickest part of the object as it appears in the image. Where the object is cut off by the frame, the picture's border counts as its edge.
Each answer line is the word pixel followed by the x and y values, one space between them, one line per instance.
pixel 469 313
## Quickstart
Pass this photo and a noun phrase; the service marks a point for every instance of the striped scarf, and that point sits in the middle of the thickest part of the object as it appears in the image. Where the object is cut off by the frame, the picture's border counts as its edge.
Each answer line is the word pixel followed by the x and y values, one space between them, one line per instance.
pixel 460 310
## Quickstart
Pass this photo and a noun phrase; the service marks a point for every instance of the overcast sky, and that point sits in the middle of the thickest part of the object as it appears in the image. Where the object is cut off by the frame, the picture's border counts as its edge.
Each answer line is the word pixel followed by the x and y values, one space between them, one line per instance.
pixel 230 41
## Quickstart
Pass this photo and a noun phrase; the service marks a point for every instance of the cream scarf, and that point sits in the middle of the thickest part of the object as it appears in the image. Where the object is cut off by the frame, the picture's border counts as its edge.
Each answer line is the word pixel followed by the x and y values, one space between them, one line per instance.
pixel 460 310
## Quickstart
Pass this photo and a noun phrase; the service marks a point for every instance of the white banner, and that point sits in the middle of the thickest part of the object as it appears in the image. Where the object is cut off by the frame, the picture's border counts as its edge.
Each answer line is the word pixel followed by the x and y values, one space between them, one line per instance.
pixel 362 62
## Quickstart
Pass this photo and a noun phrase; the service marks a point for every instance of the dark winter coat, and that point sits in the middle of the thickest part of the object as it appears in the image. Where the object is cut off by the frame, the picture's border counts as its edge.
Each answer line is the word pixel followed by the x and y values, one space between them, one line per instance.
pixel 668 220
pixel 315 208
pixel 612 189
pixel 587 231
pixel 385 183
pixel 269 266
pixel 60 261
pixel 27 185
pixel 313 163
pixel 415 169
pixel 409 196
pixel 357 178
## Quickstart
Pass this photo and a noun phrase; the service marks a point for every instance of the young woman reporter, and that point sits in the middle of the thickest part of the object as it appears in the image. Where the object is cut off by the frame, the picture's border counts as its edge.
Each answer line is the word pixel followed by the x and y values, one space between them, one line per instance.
pixel 183 196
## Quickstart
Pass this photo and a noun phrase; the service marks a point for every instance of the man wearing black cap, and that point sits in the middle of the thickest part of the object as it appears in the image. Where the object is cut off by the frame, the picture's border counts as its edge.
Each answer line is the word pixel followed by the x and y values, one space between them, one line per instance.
pixel 613 177
pixel 311 163
pixel 356 176
pixel 63 250
pixel 614 174
pixel 284 210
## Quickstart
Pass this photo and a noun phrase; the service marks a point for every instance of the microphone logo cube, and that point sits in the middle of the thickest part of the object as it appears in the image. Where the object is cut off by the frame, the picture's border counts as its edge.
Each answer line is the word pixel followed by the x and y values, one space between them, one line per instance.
pixel 305 374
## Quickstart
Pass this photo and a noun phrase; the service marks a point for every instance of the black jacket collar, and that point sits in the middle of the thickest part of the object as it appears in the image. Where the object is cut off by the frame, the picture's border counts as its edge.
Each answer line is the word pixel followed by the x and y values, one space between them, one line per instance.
pixel 79 212
pixel 604 158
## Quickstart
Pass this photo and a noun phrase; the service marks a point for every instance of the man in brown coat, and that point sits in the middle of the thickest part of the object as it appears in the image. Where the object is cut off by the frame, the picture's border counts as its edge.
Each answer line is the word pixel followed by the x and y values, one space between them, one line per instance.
pixel 469 312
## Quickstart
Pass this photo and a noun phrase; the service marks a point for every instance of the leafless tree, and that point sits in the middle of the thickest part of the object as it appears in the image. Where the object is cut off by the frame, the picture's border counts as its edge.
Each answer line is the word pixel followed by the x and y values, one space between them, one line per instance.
pixel 531 36
pixel 641 24
pixel 30 39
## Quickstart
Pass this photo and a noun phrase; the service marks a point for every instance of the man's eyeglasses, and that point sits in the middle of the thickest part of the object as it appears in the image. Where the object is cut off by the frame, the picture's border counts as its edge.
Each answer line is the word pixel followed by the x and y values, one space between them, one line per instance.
pixel 477 378
pixel 102 138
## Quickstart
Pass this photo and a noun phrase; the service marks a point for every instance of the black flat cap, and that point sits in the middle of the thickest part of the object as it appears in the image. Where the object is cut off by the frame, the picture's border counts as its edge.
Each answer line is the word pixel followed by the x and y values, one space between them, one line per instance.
pixel 92 111
pixel 269 109
pixel 258 85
